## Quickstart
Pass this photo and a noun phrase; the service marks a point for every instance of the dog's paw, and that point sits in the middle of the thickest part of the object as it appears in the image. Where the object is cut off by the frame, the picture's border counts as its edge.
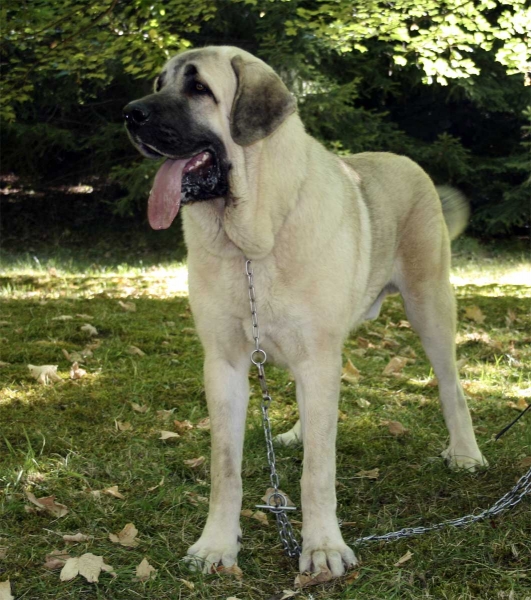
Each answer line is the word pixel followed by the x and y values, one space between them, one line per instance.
pixel 462 460
pixel 206 553
pixel 335 557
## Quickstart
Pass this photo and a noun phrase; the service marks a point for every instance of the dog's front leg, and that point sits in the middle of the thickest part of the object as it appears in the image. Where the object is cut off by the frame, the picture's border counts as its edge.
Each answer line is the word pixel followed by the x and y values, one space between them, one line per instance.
pixel 318 383
pixel 227 392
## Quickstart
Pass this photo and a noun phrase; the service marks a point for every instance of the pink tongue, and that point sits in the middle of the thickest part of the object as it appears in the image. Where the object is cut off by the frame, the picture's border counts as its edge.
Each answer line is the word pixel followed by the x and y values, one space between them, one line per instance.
pixel 165 198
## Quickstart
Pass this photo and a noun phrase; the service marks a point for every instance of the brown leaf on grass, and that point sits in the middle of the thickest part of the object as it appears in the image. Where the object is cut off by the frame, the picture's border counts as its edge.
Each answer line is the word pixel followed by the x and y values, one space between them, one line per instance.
pixel 395 428
pixel 127 306
pixel 63 318
pixel 403 559
pixel 166 435
pixel 3 553
pixel 160 484
pixel 182 426
pixel 4 364
pixel 90 329
pixel 261 517
pixel 56 559
pixel 408 352
pixel 5 591
pixel 304 580
pixel 84 316
pixel 395 365
pixel 520 404
pixel 76 372
pixel 235 570
pixel 390 343
pixel 76 538
pixel 364 343
pixel 77 356
pixel 370 474
pixel 188 584
pixel 123 426
pixel 88 565
pixel 195 463
pixel 204 423
pixel 525 462
pixel 44 374
pixel 165 414
pixel 350 373
pixel 246 512
pixel 362 403
pixel 510 318
pixel 145 571
pixel 269 491
pixel 195 498
pixel 139 408
pixel 351 577
pixel 126 537
pixel 286 594
pixel 135 351
pixel 474 313
pixel 49 504
pixel 404 324
pixel 113 491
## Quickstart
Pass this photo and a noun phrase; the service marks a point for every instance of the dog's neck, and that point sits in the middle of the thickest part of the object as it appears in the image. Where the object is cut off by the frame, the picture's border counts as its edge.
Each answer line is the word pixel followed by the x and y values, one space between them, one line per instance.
pixel 265 181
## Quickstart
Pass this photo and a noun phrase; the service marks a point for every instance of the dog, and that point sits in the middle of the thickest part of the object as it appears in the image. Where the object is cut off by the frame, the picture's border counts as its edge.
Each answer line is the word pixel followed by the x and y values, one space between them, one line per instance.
pixel 329 238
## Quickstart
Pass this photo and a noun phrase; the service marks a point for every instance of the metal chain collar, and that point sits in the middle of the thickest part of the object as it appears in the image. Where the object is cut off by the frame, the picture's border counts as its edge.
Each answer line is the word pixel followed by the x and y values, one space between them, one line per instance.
pixel 277 501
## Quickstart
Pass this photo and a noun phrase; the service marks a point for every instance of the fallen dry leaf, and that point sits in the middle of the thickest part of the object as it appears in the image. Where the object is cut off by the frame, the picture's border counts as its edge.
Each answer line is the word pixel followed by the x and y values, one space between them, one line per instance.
pixel 63 318
pixel 404 324
pixel 261 517
pixel 182 426
pixel 160 484
pixel 408 352
pixel 135 351
pixel 194 463
pixel 78 537
pixel 139 408
pixel 48 503
pixel 269 491
pixel 362 403
pixel 164 414
pixel 304 580
pixel 403 559
pixel 246 512
pixel 474 313
pixel 84 316
pixel 4 364
pixel 196 499
pixel 126 537
pixel 204 423
pixel 390 343
pixel 370 474
pixel 76 372
pixel 44 373
pixel 351 577
pixel 56 559
pixel 395 365
pixel 88 565
pixel 123 426
pixel 145 571
pixel 188 584
pixel 113 491
pixel 166 435
pixel 5 591
pixel 510 318
pixel 223 570
pixel 520 404
pixel 525 462
pixel 350 373
pixel 127 306
pixel 395 428
pixel 90 329
pixel 3 553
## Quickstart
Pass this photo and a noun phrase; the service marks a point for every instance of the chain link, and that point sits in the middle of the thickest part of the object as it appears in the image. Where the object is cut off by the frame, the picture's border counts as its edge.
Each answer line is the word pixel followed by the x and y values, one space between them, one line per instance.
pixel 277 502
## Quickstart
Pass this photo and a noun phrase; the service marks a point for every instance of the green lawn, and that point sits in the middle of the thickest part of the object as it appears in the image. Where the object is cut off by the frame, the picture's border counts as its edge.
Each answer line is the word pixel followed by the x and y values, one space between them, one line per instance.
pixel 74 437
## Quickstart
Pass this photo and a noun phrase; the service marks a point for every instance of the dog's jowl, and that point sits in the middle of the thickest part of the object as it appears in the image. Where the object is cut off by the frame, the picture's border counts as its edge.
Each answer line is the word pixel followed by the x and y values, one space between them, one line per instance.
pixel 329 238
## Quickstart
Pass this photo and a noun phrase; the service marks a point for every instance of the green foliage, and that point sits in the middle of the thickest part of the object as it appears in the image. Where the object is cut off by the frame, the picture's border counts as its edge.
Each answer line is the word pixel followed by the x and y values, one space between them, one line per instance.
pixel 440 81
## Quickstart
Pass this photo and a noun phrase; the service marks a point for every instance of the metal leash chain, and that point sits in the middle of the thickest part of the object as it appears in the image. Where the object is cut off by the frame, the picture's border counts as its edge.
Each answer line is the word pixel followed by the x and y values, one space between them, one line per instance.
pixel 277 502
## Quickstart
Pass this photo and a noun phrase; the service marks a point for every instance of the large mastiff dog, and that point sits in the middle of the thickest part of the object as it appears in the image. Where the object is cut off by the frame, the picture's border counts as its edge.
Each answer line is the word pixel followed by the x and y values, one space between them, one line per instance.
pixel 329 238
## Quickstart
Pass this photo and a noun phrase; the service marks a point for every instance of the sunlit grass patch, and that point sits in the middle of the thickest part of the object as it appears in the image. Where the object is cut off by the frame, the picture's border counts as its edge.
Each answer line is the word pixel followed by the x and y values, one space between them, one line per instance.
pixel 78 437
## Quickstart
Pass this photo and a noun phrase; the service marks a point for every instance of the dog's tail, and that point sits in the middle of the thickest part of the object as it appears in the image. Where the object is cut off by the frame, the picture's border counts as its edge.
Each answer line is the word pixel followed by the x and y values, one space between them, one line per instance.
pixel 456 209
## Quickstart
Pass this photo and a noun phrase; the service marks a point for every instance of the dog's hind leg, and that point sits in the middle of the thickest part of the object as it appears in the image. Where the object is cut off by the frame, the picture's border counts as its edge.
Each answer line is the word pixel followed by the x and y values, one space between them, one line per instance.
pixel 430 308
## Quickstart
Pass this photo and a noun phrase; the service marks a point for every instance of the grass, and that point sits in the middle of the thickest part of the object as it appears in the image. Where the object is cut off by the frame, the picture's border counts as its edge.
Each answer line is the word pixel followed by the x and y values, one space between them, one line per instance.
pixel 64 440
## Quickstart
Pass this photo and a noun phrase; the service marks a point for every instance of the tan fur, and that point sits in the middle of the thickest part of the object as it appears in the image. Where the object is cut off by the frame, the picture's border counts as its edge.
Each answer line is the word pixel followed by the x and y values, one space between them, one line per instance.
pixel 329 237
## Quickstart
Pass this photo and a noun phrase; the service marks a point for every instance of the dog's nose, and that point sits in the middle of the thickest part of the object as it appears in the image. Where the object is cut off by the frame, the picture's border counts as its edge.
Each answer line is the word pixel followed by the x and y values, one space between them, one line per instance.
pixel 136 113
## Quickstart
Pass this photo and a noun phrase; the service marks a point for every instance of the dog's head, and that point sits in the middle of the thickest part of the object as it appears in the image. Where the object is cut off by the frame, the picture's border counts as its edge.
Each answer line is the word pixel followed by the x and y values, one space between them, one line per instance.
pixel 205 102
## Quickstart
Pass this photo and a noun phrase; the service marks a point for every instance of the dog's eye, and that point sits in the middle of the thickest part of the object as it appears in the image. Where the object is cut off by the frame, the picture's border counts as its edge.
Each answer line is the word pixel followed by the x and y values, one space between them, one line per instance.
pixel 199 87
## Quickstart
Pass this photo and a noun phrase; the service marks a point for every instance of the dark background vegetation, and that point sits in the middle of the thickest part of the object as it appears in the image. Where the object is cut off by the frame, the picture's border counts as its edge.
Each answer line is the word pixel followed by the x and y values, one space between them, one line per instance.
pixel 442 82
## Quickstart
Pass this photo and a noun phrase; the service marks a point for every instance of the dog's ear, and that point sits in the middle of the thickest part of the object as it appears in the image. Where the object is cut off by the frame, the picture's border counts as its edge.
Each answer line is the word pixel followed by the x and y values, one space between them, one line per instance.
pixel 261 103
